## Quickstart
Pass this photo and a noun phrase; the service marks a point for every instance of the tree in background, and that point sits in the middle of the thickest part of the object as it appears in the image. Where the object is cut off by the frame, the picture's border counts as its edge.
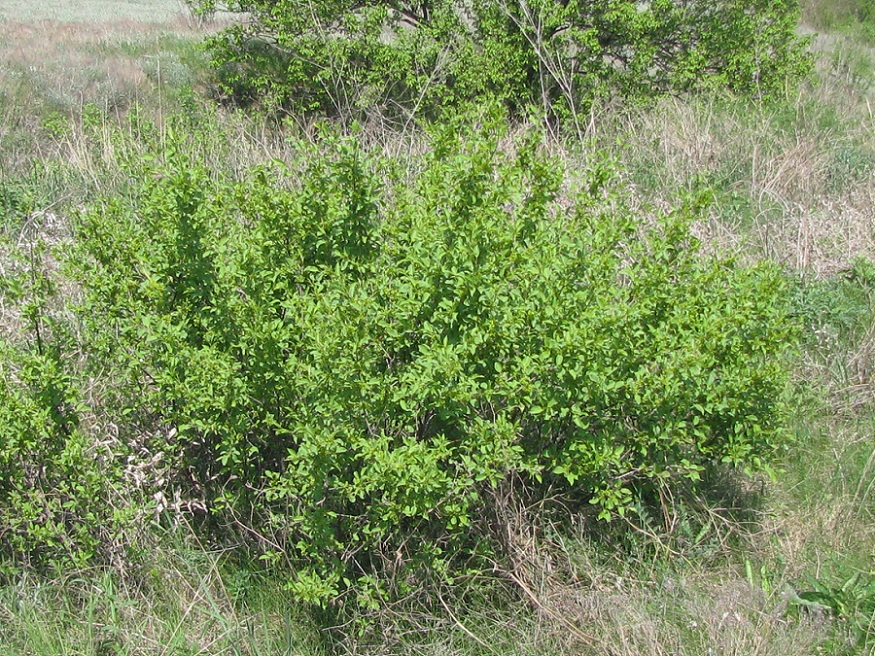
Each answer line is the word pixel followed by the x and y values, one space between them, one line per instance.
pixel 407 57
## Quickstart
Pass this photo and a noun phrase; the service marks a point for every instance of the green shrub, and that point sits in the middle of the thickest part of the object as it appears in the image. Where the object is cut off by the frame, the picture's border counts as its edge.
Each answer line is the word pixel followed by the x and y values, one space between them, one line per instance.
pixel 60 501
pixel 404 58
pixel 355 358
pixel 48 481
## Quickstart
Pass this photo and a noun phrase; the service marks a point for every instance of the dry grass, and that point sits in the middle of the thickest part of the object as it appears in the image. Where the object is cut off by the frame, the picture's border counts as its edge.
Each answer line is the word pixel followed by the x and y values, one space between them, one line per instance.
pixel 63 67
pixel 794 182
pixel 95 12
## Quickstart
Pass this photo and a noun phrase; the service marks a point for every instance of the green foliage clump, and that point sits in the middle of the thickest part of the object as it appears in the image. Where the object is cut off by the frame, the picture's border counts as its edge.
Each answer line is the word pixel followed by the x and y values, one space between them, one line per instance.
pixel 58 484
pixel 849 599
pixel 355 357
pixel 404 58
pixel 47 481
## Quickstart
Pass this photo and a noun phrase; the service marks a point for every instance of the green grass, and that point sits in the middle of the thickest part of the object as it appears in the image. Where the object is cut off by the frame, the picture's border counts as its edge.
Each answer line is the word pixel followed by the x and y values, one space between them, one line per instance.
pixel 177 604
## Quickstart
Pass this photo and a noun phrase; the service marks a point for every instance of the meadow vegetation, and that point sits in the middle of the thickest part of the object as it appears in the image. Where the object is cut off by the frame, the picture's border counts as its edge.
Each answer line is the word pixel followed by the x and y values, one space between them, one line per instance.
pixel 571 368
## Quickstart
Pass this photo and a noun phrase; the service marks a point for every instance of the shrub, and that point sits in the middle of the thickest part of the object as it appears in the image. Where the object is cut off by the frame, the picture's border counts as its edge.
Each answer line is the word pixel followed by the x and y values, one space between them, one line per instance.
pixel 60 500
pixel 355 359
pixel 404 58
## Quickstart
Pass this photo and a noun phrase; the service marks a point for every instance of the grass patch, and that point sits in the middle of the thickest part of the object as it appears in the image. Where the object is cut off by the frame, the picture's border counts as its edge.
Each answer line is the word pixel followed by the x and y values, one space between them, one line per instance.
pixel 852 17
pixel 792 180
pixel 177 603
pixel 97 12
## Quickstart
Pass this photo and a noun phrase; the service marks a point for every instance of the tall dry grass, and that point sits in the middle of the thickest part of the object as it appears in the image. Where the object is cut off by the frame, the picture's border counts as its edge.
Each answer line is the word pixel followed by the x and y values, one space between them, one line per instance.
pixel 794 181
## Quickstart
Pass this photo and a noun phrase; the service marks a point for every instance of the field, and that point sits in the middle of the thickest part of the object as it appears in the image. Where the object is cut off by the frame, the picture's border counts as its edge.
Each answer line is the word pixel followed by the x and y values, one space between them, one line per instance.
pixel 92 94
pixel 96 12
